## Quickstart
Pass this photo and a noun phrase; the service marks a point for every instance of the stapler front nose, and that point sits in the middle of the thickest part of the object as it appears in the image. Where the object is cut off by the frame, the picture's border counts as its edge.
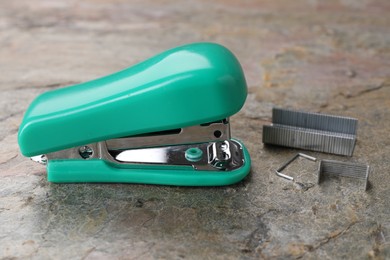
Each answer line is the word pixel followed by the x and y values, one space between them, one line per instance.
pixel 145 124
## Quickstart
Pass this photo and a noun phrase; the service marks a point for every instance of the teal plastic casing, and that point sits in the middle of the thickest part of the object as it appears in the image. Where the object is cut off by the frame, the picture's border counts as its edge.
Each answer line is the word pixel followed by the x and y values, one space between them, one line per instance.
pixel 185 86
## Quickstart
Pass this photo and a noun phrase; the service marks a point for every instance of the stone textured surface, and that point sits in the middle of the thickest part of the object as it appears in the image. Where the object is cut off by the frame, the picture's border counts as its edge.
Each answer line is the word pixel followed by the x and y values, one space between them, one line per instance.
pixel 321 56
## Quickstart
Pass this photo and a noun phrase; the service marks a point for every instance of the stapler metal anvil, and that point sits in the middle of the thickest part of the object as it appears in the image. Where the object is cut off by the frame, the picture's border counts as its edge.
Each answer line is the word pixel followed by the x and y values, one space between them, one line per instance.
pixel 162 121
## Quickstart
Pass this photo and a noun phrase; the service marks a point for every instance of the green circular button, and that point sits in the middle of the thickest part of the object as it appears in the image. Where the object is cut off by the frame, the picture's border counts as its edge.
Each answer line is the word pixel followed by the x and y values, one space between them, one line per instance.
pixel 193 154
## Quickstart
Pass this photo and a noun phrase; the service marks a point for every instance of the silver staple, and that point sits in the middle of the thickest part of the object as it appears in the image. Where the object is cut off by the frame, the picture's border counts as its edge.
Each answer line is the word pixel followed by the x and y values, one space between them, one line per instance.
pixel 281 168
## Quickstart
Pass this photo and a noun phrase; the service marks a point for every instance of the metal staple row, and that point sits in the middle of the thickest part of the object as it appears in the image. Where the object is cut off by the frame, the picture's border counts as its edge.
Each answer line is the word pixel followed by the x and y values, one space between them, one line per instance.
pixel 311 131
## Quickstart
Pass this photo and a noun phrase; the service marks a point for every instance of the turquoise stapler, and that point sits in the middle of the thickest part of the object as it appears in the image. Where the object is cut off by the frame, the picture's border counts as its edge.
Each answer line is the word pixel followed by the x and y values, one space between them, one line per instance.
pixel 162 121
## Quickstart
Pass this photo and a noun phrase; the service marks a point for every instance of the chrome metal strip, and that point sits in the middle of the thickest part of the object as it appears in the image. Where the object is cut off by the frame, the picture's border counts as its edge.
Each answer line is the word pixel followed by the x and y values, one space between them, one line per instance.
pixel 212 132
pixel 223 155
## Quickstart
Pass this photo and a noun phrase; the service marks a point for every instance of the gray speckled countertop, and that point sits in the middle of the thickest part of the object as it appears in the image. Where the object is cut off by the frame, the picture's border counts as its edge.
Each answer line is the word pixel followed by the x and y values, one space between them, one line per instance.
pixel 321 56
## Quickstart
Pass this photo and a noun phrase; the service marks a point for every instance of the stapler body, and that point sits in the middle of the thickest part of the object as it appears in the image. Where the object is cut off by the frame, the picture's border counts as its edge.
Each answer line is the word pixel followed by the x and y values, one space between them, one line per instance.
pixel 162 121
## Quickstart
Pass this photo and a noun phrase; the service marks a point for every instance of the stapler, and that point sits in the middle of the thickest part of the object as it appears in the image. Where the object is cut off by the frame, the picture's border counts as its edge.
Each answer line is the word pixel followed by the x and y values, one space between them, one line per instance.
pixel 162 121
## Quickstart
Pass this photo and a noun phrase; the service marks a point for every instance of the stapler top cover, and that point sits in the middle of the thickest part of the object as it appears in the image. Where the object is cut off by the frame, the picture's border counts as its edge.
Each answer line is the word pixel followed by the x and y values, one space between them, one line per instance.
pixel 184 86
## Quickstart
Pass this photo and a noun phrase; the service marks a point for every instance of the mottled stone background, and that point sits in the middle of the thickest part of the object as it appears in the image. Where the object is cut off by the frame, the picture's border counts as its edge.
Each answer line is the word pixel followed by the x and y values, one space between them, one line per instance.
pixel 320 56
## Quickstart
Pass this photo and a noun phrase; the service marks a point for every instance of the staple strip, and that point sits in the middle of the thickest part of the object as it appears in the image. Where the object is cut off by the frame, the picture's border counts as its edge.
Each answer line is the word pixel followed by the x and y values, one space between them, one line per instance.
pixel 309 140
pixel 311 131
pixel 314 121
pixel 344 169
